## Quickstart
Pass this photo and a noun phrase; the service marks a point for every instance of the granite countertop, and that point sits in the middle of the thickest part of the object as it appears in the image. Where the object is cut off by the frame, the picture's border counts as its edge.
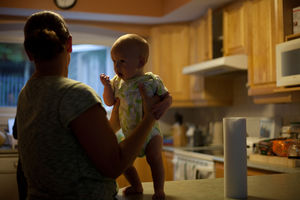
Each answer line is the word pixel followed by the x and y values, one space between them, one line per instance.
pixel 271 187
pixel 220 158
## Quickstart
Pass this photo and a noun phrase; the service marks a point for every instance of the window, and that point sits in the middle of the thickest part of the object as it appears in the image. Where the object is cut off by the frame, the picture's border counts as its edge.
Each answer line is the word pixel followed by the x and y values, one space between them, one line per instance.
pixel 15 69
pixel 87 63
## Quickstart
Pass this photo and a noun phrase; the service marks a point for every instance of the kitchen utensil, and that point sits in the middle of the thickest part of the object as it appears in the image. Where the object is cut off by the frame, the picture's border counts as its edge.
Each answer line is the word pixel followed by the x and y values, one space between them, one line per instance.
pixel 198 137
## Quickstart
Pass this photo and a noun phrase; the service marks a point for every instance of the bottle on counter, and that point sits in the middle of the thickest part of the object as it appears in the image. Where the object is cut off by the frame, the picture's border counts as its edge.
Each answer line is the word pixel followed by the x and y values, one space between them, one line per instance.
pixel 178 131
pixel 190 135
pixel 198 137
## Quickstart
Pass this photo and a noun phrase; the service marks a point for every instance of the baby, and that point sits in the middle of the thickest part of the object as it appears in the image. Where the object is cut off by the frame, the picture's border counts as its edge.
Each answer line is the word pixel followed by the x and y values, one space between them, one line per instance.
pixel 130 54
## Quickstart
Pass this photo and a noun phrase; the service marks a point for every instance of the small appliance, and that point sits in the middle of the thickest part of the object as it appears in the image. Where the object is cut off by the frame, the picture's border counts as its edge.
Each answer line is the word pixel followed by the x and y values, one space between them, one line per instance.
pixel 288 63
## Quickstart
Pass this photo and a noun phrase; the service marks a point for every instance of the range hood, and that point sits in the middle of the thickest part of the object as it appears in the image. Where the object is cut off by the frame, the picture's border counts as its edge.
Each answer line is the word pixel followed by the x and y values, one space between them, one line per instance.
pixel 218 66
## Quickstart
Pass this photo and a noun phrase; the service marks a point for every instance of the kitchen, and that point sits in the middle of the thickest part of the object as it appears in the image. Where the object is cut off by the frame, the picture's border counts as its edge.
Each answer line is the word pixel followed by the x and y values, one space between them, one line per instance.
pixel 258 26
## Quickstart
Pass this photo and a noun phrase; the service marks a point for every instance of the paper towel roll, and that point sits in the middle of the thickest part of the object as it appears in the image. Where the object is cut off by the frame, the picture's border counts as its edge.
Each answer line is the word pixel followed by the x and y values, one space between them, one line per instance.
pixel 235 158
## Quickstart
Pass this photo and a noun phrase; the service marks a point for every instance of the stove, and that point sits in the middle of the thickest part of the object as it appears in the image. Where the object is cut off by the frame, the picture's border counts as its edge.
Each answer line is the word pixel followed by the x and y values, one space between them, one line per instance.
pixel 195 162
pixel 212 152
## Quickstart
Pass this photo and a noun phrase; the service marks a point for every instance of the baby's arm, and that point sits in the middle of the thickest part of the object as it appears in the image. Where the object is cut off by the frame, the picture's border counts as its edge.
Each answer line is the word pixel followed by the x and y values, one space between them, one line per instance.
pixel 160 108
pixel 108 94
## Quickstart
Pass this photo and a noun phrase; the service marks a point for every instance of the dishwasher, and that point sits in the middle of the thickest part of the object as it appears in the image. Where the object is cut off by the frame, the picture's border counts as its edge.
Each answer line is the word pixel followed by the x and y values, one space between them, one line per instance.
pixel 192 165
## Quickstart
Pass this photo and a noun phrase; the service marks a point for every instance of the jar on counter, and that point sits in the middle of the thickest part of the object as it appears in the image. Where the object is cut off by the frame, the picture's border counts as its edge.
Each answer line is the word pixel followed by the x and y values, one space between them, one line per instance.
pixel 179 131
pixel 294 130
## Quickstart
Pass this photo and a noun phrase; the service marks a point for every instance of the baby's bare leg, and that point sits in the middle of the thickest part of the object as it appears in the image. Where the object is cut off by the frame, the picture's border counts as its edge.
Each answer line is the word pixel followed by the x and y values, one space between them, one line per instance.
pixel 154 158
pixel 134 180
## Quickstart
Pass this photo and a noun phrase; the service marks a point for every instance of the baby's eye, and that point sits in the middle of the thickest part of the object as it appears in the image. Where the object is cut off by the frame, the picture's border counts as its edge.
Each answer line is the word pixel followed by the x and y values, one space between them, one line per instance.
pixel 122 61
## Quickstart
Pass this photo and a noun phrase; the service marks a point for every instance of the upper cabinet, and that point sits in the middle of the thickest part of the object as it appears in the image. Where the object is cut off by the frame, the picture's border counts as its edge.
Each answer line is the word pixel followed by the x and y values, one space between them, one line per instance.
pixel 251 27
pixel 178 45
pixel 169 46
pixel 213 90
pixel 265 22
pixel 235 28
pixel 264 37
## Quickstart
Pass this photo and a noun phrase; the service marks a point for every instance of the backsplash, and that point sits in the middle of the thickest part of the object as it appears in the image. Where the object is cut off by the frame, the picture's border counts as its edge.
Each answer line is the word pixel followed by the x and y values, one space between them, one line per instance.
pixel 243 106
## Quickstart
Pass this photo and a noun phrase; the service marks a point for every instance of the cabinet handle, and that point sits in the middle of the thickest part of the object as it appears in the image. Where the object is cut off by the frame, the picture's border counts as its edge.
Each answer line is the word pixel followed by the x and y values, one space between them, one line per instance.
pixel 15 164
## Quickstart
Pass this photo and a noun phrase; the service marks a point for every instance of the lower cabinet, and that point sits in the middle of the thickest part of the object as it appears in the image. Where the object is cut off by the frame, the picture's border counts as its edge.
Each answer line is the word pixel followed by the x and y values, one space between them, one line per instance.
pixel 250 171
pixel 144 170
pixel 8 178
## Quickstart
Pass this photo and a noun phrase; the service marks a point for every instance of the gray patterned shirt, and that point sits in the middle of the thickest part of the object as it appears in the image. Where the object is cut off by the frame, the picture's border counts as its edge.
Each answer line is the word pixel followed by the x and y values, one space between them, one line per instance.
pixel 54 163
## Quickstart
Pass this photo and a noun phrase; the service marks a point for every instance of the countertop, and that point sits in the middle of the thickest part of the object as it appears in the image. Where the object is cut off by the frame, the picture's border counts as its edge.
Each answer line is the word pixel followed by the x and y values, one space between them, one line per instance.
pixel 7 150
pixel 220 158
pixel 264 187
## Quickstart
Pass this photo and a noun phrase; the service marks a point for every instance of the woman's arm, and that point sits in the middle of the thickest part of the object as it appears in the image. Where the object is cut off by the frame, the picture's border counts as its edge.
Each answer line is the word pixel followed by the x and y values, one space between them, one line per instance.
pixel 97 137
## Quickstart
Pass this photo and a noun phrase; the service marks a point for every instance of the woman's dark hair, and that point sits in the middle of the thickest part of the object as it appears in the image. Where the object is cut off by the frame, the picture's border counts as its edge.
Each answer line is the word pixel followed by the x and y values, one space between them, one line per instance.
pixel 45 34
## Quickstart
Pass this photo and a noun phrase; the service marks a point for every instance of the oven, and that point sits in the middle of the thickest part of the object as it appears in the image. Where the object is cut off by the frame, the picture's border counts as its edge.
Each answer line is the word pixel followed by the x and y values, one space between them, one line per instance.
pixel 190 165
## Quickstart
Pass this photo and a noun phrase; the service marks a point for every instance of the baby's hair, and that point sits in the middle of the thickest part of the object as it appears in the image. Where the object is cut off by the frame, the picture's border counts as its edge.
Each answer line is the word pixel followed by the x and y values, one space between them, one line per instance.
pixel 133 40
pixel 45 34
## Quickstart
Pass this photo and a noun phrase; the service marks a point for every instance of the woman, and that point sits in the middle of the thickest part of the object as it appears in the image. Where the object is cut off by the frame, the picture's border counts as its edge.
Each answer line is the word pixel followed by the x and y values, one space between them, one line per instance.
pixel 67 146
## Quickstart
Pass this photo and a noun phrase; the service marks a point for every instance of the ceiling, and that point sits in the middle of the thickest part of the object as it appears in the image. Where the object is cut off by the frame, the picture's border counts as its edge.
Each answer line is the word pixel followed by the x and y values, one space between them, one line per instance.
pixel 185 11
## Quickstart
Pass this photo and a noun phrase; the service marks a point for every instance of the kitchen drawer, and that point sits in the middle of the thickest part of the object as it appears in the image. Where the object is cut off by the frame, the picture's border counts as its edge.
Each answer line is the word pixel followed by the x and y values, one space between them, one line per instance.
pixel 8 178
pixel 8 164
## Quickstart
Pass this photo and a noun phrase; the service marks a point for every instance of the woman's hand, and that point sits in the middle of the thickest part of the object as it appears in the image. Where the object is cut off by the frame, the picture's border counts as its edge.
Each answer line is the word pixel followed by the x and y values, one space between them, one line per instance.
pixel 114 117
pixel 148 102
pixel 161 107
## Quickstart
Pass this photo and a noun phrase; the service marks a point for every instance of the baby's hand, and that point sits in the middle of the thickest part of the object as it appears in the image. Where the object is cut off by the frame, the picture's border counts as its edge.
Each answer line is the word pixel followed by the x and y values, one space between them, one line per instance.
pixel 105 80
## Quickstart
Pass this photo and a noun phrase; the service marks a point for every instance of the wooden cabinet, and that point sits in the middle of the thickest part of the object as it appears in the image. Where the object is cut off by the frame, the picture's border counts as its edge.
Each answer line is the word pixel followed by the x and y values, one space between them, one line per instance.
pixel 264 37
pixel 169 50
pixel 219 166
pixel 176 46
pixel 265 19
pixel 206 91
pixel 144 170
pixel 168 165
pixel 235 28
pixel 8 180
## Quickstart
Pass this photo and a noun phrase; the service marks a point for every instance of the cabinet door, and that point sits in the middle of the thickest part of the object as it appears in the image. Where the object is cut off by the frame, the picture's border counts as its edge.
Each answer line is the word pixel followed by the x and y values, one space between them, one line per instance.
pixel 169 45
pixel 144 170
pixel 168 165
pixel 8 178
pixel 263 20
pixel 201 50
pixel 235 33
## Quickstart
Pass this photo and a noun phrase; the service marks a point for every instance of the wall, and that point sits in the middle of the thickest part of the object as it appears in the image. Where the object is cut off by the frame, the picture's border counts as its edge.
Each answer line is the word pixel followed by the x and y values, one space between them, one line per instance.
pixel 154 8
pixel 243 106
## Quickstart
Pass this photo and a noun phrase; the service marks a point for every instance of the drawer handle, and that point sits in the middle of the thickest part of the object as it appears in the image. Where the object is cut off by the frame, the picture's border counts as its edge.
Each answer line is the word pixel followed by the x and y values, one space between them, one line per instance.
pixel 15 164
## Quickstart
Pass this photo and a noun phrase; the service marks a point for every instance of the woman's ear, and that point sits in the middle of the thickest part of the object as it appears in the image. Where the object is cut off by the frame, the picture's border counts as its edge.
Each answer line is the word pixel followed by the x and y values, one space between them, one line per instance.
pixel 69 44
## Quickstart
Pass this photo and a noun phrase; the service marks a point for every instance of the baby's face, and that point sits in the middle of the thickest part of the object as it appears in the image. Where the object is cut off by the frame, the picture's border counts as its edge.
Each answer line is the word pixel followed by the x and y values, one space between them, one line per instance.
pixel 126 63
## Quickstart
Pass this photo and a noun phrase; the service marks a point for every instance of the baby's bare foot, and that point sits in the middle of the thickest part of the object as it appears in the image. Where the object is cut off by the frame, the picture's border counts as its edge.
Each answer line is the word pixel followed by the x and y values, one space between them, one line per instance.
pixel 130 190
pixel 159 195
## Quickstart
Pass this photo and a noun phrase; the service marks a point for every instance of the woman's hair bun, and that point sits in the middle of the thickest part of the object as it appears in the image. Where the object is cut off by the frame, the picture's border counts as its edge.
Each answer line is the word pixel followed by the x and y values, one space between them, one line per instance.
pixel 43 44
pixel 46 35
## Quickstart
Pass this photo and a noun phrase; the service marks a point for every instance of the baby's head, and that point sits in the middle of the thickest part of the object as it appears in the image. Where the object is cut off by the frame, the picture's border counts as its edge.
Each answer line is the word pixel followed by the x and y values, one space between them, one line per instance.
pixel 130 53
